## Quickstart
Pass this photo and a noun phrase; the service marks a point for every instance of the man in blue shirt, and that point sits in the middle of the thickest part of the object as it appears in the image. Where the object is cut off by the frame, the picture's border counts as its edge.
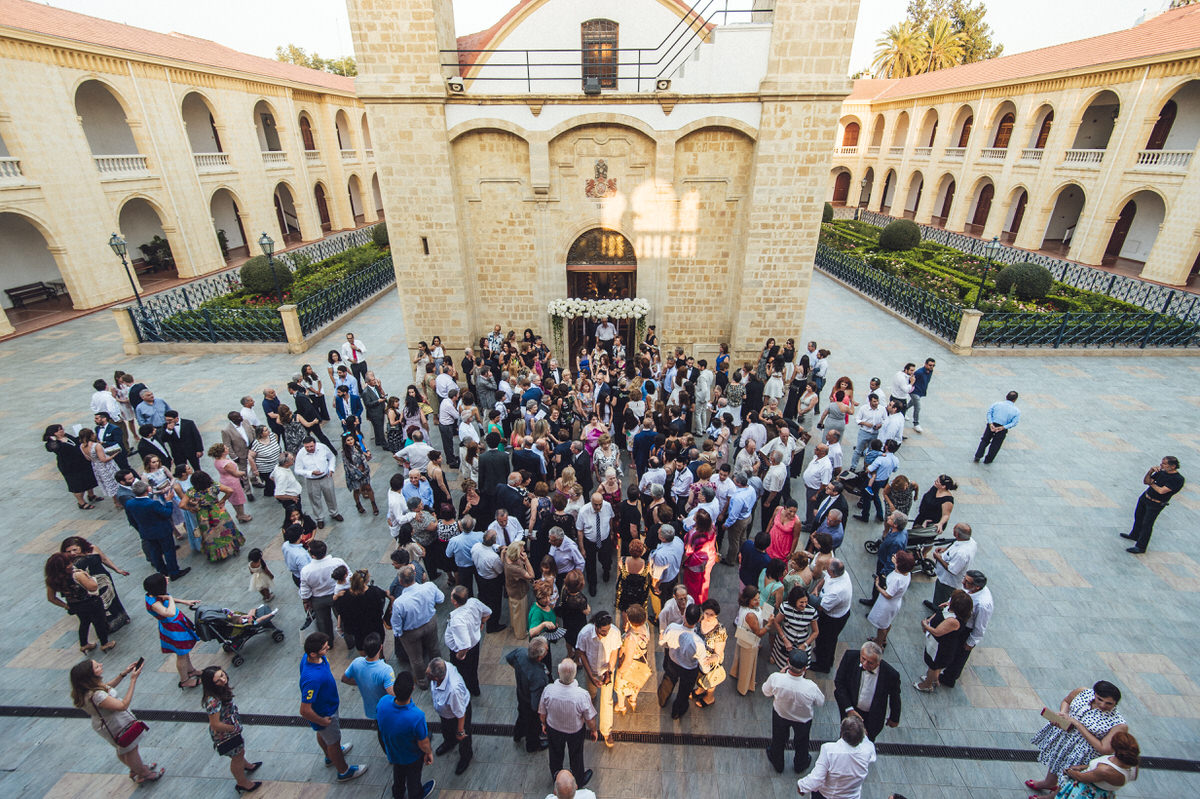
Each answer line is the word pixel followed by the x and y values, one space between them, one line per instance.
pixel 895 539
pixel 417 486
pixel 879 472
pixel 921 379
pixel 404 737
pixel 738 516
pixel 459 549
pixel 1001 417
pixel 414 621
pixel 371 674
pixel 319 706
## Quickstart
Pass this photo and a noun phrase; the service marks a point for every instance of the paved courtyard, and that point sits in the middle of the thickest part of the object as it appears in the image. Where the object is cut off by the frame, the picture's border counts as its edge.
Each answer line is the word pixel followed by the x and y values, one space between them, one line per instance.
pixel 1071 606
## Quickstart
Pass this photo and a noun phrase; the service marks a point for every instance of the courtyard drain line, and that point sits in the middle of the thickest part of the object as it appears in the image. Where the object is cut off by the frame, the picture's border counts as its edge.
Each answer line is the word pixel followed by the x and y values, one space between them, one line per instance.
pixel 626 736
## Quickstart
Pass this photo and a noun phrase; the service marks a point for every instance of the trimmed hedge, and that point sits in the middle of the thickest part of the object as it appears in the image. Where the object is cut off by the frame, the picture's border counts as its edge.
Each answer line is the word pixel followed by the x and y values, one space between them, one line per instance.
pixel 257 275
pixel 1028 281
pixel 903 234
pixel 827 213
pixel 379 235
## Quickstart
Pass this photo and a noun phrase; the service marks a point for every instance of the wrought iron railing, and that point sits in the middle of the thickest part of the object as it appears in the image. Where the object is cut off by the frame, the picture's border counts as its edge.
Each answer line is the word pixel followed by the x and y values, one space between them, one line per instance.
pixel 1053 330
pixel 325 306
pixel 1151 296
pixel 919 305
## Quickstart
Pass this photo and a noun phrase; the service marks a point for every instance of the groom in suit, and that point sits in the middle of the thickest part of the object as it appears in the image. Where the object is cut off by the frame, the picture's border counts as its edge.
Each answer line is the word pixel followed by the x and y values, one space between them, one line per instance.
pixel 109 435
pixel 867 687
pixel 182 437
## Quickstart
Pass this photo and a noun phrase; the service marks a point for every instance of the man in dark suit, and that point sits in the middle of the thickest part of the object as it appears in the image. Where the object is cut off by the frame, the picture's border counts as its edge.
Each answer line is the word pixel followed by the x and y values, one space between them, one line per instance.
pixel 152 519
pixel 642 444
pixel 109 435
pixel 182 437
pixel 347 404
pixel 582 463
pixel 867 687
pixel 526 458
pixel 306 408
pixel 151 443
pixel 494 469
pixel 833 500
pixel 511 497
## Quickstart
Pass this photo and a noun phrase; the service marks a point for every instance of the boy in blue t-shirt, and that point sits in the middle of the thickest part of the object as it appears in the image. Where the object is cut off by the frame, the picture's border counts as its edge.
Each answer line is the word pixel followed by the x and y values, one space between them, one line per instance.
pixel 371 674
pixel 404 737
pixel 319 706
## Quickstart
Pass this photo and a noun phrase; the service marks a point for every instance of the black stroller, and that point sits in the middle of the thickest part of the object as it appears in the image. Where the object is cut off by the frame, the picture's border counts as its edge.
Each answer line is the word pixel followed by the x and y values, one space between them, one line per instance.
pixel 234 629
pixel 920 539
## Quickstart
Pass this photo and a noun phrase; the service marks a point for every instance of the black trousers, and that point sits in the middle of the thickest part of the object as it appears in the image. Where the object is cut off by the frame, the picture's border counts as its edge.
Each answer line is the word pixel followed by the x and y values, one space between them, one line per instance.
pixel 448 431
pixel 685 683
pixel 528 726
pixel 991 442
pixel 359 370
pixel 1144 516
pixel 572 744
pixel 951 673
pixel 449 736
pixel 827 639
pixel 406 780
pixel 91 614
pixel 466 578
pixel 596 552
pixel 375 417
pixel 491 593
pixel 468 667
pixel 781 730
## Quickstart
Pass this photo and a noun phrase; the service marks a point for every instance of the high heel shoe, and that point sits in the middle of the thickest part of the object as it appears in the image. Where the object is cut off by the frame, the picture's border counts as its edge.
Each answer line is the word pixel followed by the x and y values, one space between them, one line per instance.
pixel 360 508
pixel 374 509
pixel 253 787
pixel 110 646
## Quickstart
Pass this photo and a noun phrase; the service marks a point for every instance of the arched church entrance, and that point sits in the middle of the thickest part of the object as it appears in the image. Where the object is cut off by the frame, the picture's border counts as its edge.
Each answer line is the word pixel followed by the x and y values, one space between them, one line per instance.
pixel 601 265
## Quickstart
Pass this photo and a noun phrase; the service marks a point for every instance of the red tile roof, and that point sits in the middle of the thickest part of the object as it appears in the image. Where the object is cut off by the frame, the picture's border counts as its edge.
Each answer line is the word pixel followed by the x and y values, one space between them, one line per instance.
pixel 50 21
pixel 1175 31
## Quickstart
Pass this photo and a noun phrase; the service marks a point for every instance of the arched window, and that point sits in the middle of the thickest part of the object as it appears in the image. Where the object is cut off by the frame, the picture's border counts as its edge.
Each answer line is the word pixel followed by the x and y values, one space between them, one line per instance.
pixel 599 46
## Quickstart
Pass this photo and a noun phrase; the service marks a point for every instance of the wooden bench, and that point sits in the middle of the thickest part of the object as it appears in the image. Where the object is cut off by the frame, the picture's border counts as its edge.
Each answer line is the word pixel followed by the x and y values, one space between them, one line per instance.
pixel 30 291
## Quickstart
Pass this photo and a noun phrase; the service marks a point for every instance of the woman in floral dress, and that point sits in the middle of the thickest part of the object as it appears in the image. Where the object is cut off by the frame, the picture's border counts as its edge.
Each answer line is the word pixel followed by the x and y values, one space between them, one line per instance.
pixel 635 663
pixel 1093 722
pixel 712 659
pixel 104 466
pixel 357 469
pixel 293 429
pixel 219 536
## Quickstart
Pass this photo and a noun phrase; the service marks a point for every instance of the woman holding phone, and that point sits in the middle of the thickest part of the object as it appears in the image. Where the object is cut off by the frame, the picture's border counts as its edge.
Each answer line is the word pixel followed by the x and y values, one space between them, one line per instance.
pixel 110 714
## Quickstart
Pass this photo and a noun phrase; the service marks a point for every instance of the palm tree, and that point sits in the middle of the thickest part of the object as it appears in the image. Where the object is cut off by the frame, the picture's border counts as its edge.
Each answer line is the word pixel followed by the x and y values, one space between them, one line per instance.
pixel 943 45
pixel 901 52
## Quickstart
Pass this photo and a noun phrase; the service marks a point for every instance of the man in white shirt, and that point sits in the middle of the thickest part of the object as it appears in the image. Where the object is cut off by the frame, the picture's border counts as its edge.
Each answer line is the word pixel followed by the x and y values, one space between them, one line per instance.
pixel 748 461
pixel 416 454
pixel 674 608
pixel 464 629
pixel 489 574
pixel 842 765
pixel 902 385
pixel 354 353
pixel 951 563
pixel 833 440
pixel 566 712
pixel 680 484
pixel 833 612
pixel 103 401
pixel 665 562
pixel 794 698
pixel 287 487
pixel 869 419
pixel 398 513
pixel 507 529
pixel 786 443
pixel 710 504
pixel 566 554
pixel 596 649
pixel 975 584
pixel 681 661
pixel 606 331
pixel 565 787
pixel 816 476
pixel 248 413
pixel 317 586
pixel 655 474
pixel 892 428
pixel 755 431
pixel 315 463
pixel 725 488
pixel 594 523
pixel 452 703
pixel 448 419
pixel 773 485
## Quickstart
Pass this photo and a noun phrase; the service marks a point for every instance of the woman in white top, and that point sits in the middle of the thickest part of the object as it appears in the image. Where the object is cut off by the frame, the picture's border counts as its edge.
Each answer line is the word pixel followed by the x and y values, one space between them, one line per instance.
pixel 1103 775
pixel 749 625
pixel 435 349
pixel 110 713
pixel 891 590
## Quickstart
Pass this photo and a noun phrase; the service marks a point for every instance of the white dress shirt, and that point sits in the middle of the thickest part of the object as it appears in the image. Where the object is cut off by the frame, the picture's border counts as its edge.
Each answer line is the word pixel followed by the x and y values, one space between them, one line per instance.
pixel 840 770
pixel 712 508
pixel 795 697
pixel 958 557
pixel 321 459
pixel 510 533
pixel 870 419
pixel 599 650
pixel 416 455
pixel 725 489
pixel 567 556
pixel 462 627
pixel 756 432
pixel 315 579
pixel 448 412
pixel 442 385
pixel 106 402
pixel 567 707
pixel 596 525
pixel 818 473
pixel 902 385
pixel 348 355
pixel 788 448
pixel 450 696
pixel 651 476
pixel 286 483
pixel 836 595
pixel 981 614
pixel 892 428
pixel 684 645
pixel 682 482
pixel 866 689
pixel 488 564
pixel 776 477
pixel 248 415
pixel 671 614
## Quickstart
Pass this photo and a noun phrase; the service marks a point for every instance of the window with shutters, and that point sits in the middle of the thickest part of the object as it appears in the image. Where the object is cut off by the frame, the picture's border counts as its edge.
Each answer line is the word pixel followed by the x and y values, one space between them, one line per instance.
pixel 599 46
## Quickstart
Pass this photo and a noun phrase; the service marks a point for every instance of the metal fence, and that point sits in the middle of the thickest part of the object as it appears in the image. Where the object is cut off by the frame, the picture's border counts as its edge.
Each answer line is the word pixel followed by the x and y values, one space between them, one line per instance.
pixel 919 305
pixel 154 324
pixel 327 305
pixel 1151 296
pixel 1085 330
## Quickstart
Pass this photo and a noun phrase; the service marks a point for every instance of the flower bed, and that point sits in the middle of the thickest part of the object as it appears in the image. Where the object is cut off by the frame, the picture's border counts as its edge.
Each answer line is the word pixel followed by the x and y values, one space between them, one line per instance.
pixel 954 275
pixel 310 277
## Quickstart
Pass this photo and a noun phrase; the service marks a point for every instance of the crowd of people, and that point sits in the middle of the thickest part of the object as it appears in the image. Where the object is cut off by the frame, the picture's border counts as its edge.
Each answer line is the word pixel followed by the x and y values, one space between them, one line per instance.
pixel 631 465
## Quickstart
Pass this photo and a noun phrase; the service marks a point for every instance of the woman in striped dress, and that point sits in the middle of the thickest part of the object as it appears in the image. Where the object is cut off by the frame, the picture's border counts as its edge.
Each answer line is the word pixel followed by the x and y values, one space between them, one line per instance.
pixel 176 635
pixel 795 625
pixel 264 457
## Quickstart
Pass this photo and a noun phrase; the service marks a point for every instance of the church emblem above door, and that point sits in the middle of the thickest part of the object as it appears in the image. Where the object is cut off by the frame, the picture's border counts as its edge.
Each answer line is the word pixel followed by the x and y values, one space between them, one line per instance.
pixel 601 185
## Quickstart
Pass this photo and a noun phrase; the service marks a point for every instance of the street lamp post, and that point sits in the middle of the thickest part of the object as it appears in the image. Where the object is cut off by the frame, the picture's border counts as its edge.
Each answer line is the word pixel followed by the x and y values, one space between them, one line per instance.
pixel 121 249
pixel 862 189
pixel 990 249
pixel 268 247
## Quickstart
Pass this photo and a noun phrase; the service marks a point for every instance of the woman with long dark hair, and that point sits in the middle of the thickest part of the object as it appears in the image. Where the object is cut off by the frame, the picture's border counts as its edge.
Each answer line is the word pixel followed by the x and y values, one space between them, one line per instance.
pixel 75 468
pixel 88 557
pixel 176 633
pixel 394 425
pixel 110 714
pixel 80 598
pixel 356 467
pixel 310 381
pixel 225 727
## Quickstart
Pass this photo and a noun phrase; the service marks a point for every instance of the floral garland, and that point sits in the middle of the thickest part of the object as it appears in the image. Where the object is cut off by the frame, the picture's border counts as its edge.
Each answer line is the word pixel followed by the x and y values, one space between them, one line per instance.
pixel 572 307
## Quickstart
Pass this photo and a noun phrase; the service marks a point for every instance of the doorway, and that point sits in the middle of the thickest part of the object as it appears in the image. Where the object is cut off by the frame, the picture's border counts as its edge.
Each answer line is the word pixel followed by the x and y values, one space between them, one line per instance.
pixel 601 265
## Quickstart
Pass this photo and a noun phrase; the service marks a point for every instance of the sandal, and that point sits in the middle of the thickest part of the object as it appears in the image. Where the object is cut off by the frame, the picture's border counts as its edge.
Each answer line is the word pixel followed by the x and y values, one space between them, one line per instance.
pixel 110 646
pixel 86 506
pixel 253 767
pixel 374 510
pixel 190 682
pixel 87 648
pixel 360 508
pixel 917 685
pixel 245 519
pixel 151 777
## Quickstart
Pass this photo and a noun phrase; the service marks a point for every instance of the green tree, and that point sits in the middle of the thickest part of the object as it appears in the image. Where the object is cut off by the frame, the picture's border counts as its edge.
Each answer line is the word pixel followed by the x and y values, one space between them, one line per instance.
pixel 966 17
pixel 292 54
pixel 943 45
pixel 901 52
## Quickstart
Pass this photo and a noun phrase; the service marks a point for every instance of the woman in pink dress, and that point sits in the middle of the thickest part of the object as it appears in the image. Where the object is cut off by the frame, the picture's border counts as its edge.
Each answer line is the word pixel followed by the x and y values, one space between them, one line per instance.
pixel 699 556
pixel 783 530
pixel 230 476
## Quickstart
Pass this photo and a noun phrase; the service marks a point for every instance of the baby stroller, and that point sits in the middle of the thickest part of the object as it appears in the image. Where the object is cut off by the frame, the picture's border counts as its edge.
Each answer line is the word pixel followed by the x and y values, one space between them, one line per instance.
pixel 234 629
pixel 919 540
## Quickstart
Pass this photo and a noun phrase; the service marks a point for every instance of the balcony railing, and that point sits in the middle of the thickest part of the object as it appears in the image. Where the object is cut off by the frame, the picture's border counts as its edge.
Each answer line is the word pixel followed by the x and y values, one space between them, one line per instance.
pixel 212 162
pixel 1031 155
pixel 955 153
pixel 275 159
pixel 121 166
pixel 1087 159
pixel 370 154
pixel 896 152
pixel 312 156
pixel 873 149
pixel 349 155
pixel 993 154
pixel 10 170
pixel 922 152
pixel 1164 160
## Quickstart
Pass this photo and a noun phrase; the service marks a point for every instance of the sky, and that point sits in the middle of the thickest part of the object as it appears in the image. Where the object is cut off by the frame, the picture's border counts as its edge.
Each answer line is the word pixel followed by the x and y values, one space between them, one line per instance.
pixel 258 26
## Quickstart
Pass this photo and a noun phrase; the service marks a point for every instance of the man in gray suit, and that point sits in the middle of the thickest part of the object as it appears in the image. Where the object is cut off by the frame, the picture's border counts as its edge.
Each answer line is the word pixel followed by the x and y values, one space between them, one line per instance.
pixel 238 436
pixel 485 389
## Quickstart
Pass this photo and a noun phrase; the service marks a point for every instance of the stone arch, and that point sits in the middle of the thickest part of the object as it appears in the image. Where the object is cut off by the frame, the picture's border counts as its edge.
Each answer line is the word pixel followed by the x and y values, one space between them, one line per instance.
pixel 849 131
pixel 877 130
pixel 486 123
pixel 366 133
pixel 889 191
pixel 321 197
pixel 982 196
pixel 717 122
pixel 104 115
pixel 964 122
pixel 32 255
pixel 928 129
pixel 1134 230
pixel 377 194
pixel 287 212
pixel 1066 207
pixel 596 119
pixel 841 185
pixel 912 196
pixel 358 206
pixel 267 126
pixel 1018 204
pixel 943 201
pixel 1000 129
pixel 1043 121
pixel 200 122
pixel 139 220
pixel 1177 127
pixel 1097 121
pixel 226 211
pixel 900 132
pixel 345 136
pixel 601 262
pixel 308 131
pixel 866 186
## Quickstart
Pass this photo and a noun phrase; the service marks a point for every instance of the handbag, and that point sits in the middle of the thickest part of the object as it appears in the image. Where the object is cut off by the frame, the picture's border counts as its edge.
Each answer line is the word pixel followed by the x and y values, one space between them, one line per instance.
pixel 931 646
pixel 128 734
pixel 745 637
pixel 712 678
